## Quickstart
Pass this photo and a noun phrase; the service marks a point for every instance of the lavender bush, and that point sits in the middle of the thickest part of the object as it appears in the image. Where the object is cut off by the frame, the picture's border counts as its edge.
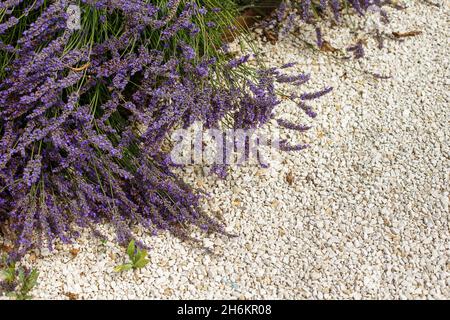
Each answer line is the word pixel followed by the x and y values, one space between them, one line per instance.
pixel 85 113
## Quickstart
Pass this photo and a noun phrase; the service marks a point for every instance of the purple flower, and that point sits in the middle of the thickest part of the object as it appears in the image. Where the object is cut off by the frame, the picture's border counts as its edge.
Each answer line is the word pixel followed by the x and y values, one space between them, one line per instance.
pixel 315 95
pixel 188 51
pixel 357 50
pixel 238 61
pixel 288 65
pixel 289 125
pixel 319 37
pixel 285 146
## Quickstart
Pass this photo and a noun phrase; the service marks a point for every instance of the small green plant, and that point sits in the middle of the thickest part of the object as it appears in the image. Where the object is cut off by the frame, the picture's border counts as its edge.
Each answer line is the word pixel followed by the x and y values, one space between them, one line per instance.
pixel 9 273
pixel 17 282
pixel 27 281
pixel 138 258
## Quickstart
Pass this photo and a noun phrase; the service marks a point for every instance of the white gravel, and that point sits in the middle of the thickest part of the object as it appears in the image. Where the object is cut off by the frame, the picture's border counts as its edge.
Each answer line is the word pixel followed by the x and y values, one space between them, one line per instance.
pixel 366 216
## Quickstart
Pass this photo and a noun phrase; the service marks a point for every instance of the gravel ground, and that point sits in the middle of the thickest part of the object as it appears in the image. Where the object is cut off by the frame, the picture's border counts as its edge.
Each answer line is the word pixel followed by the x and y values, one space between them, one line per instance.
pixel 363 213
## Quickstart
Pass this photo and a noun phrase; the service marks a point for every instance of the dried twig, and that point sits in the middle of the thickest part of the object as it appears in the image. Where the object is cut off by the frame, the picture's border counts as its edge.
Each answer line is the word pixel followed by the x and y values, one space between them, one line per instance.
pixel 406 34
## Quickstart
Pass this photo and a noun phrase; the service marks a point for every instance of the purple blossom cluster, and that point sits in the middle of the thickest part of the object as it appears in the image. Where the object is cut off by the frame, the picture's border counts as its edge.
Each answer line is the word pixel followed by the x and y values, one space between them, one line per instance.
pixel 70 159
pixel 357 50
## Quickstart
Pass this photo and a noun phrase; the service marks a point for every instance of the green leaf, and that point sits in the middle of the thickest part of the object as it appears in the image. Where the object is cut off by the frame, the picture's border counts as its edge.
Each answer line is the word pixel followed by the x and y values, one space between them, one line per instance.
pixel 10 273
pixel 11 295
pixel 123 267
pixel 141 261
pixel 131 249
pixel 21 275
pixel 31 281
pixel 5 275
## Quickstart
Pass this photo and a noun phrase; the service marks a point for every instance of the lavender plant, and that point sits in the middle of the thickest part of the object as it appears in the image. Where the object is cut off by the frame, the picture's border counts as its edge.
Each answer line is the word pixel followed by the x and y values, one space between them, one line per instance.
pixel 17 282
pixel 85 113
